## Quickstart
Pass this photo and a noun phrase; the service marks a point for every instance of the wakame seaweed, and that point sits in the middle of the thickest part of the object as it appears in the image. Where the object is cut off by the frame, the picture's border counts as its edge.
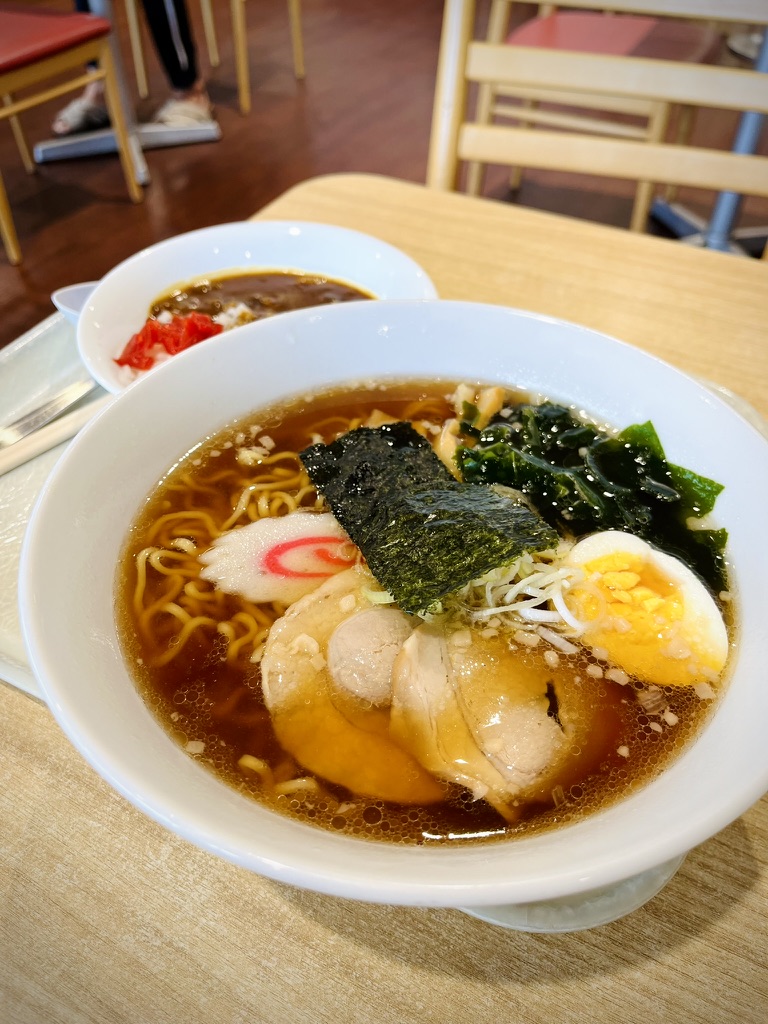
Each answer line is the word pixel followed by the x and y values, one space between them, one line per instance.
pixel 581 479
pixel 423 533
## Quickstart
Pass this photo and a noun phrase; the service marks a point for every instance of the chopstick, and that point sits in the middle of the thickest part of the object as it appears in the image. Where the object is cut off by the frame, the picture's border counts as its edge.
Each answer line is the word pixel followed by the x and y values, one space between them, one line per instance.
pixel 42 440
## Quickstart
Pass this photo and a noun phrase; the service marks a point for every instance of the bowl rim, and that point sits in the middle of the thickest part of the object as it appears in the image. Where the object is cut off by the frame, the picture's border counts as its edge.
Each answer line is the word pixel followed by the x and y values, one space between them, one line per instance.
pixel 430 881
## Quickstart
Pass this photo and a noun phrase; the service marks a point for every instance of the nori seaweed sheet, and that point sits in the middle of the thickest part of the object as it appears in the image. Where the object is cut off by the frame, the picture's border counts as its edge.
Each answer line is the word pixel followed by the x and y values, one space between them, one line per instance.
pixel 423 533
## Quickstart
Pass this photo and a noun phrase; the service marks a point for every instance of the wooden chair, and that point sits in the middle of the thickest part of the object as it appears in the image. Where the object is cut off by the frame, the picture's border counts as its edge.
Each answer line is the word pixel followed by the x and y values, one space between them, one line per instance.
pixel 38 48
pixel 456 137
pixel 240 40
pixel 240 34
pixel 593 31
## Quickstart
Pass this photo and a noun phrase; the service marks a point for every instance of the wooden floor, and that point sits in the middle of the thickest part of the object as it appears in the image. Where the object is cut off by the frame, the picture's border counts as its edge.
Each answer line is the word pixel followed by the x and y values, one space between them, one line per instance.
pixel 365 106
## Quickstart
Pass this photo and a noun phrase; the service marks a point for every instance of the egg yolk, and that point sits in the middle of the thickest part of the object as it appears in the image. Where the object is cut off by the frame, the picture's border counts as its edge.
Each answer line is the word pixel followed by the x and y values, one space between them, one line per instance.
pixel 643 622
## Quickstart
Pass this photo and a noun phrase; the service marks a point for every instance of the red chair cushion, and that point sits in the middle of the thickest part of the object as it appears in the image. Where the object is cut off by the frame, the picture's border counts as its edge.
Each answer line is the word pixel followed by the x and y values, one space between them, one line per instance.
pixel 619 35
pixel 28 35
pixel 585 32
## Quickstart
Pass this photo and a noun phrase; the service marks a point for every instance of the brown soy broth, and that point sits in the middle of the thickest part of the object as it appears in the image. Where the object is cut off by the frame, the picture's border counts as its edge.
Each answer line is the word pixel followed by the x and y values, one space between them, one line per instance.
pixel 264 293
pixel 217 706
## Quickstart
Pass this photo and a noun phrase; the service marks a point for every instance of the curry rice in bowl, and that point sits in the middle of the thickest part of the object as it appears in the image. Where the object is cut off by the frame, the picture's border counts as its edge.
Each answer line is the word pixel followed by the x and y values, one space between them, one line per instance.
pixel 172 295
pixel 558 706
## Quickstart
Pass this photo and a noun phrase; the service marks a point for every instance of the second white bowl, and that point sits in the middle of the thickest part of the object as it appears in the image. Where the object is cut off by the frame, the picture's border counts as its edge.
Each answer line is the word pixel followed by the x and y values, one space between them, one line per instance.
pixel 120 303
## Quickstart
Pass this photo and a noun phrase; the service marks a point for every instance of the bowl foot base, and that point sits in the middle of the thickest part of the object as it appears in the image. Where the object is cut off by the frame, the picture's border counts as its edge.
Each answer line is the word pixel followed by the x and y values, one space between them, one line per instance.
pixel 584 910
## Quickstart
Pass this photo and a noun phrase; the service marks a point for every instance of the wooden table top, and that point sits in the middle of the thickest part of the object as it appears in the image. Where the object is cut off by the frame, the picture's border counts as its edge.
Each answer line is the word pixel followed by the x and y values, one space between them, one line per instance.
pixel 107 918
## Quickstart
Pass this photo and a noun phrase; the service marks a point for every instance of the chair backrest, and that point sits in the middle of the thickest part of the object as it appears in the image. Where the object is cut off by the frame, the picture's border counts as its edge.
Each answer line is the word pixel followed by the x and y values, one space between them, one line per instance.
pixel 752 12
pixel 464 61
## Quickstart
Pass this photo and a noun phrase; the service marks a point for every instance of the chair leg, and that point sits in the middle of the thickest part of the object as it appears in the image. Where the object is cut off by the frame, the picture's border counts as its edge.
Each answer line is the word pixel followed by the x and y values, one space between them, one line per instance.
pixel 209 28
pixel 7 229
pixel 21 140
pixel 137 52
pixel 658 122
pixel 475 179
pixel 498 25
pixel 684 130
pixel 642 206
pixel 117 118
pixel 516 173
pixel 240 38
pixel 476 170
pixel 297 40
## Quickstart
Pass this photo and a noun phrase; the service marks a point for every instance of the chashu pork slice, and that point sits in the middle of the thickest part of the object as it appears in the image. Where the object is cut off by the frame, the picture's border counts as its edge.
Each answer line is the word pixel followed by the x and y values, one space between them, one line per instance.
pixel 428 719
pixel 542 725
pixel 362 650
pixel 351 750
pixel 482 716
pixel 514 707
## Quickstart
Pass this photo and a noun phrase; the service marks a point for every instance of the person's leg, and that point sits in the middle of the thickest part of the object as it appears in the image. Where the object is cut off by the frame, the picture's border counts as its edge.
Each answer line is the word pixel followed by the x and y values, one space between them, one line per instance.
pixel 169 24
pixel 88 111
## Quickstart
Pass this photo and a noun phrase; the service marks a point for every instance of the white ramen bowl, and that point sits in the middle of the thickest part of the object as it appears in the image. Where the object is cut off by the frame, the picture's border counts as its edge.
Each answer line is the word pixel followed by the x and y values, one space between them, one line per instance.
pixel 77 531
pixel 119 304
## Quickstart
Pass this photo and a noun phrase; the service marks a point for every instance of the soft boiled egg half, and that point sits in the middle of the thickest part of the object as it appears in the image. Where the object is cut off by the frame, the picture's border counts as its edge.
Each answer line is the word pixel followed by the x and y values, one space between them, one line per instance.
pixel 645 611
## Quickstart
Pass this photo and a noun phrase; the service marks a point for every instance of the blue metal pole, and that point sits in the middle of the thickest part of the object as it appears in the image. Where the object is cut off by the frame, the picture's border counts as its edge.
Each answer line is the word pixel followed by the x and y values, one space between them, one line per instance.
pixel 727 204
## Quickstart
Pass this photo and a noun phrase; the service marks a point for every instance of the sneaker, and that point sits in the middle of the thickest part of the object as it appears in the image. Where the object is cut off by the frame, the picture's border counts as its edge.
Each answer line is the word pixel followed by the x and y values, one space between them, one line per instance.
pixel 183 113
pixel 81 115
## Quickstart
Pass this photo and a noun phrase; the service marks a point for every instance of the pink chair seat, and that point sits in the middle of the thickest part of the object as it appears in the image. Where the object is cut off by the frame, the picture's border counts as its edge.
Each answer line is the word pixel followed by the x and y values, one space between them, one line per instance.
pixel 618 35
pixel 28 35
